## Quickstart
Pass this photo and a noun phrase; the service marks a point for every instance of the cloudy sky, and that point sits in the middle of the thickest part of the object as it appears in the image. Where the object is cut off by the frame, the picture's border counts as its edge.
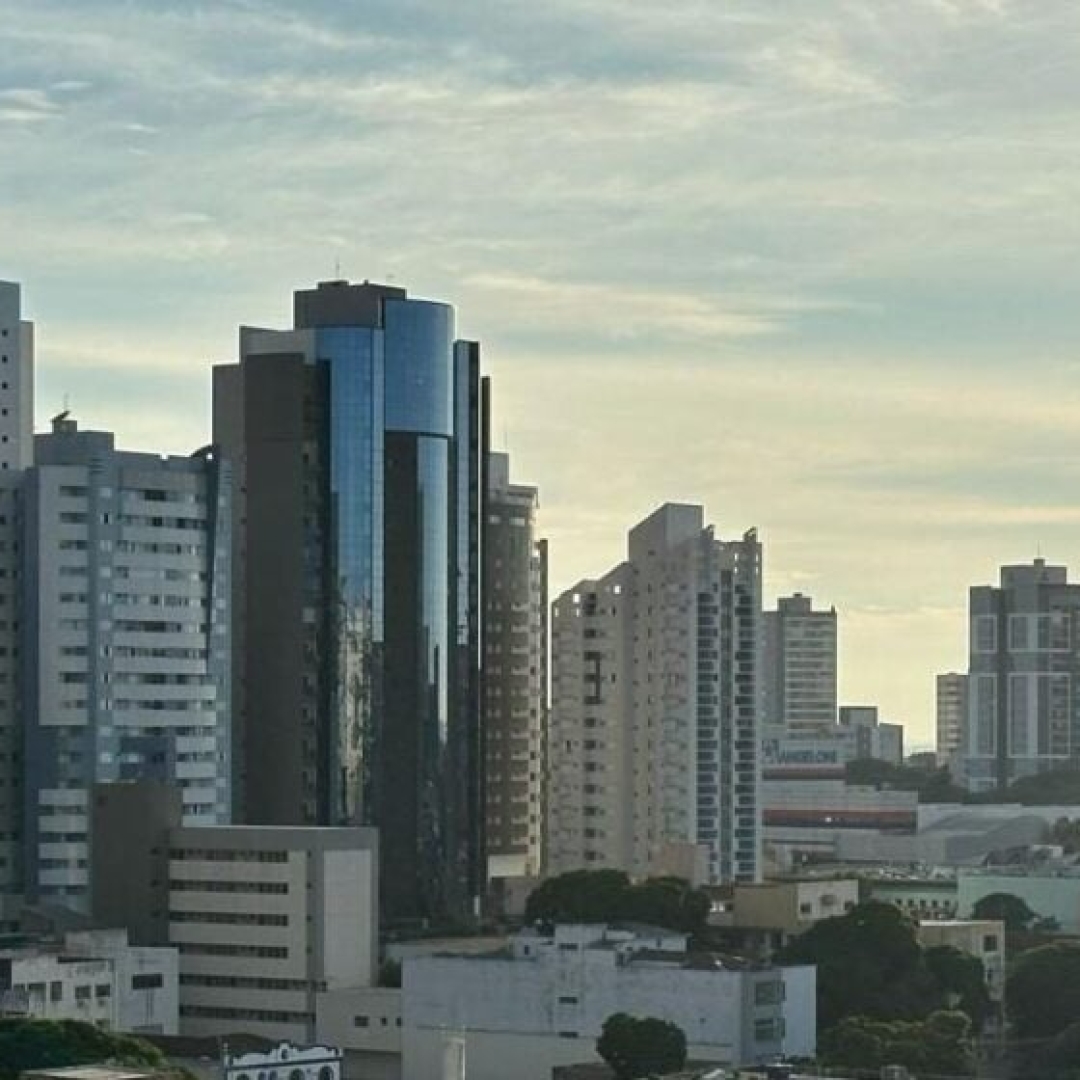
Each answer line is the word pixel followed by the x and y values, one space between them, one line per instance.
pixel 812 263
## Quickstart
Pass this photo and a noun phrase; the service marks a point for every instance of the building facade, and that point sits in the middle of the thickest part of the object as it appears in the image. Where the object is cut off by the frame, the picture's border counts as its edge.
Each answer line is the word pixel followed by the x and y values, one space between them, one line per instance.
pixel 951 698
pixel 515 676
pixel 358 438
pixel 16 453
pixel 543 1002
pixel 124 640
pixel 1023 676
pixel 654 741
pixel 95 977
pixel 871 736
pixel 799 674
pixel 265 920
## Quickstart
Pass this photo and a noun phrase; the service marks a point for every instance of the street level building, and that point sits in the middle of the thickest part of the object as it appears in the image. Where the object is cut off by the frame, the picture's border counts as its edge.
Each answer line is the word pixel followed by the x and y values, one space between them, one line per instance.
pixel 543 1001
pixel 654 741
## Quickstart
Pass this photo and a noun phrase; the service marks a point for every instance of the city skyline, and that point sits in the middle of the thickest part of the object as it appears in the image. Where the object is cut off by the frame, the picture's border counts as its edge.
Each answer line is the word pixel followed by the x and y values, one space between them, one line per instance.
pixel 801 250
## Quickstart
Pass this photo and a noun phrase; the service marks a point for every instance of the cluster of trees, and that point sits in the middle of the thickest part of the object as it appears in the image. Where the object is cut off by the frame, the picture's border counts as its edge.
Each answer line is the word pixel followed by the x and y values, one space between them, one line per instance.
pixel 48 1044
pixel 595 896
pixel 939 1045
pixel 641 1046
pixel 870 966
pixel 1043 992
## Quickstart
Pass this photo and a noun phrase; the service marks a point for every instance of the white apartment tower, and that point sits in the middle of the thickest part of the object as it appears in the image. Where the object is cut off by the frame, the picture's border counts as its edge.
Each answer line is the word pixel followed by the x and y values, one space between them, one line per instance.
pixel 515 676
pixel 124 643
pixel 654 736
pixel 799 680
pixel 16 452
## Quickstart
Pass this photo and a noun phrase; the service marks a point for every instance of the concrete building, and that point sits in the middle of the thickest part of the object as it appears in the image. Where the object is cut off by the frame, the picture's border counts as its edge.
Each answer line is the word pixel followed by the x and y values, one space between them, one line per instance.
pixel 799 673
pixel 765 916
pixel 982 938
pixel 873 737
pixel 814 821
pixel 359 438
pixel 918 896
pixel 16 453
pixel 294 1062
pixel 951 716
pixel 654 738
pixel 265 919
pixel 1023 712
pixel 515 676
pixel 543 1002
pixel 1051 892
pixel 124 641
pixel 96 977
pixel 818 755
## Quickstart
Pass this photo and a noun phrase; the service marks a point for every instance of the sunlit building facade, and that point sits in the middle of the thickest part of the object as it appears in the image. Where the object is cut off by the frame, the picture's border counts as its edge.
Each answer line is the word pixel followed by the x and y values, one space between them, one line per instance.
pixel 357 438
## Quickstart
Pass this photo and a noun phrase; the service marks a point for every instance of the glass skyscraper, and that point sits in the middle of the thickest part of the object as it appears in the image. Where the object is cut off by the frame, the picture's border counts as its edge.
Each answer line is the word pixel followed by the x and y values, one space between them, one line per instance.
pixel 357 439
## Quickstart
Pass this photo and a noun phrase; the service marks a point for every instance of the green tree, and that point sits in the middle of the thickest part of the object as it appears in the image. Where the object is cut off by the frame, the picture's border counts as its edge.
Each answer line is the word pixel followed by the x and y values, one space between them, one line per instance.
pixel 596 896
pixel 1009 909
pixel 868 963
pixel 641 1046
pixel 941 1044
pixel 963 979
pixel 585 896
pixel 41 1044
pixel 1043 990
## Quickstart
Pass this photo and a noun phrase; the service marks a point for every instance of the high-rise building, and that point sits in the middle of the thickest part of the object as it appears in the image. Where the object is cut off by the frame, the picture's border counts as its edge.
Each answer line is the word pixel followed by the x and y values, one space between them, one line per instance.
pixel 654 739
pixel 872 737
pixel 799 680
pixel 515 676
pixel 1023 709
pixel 358 441
pixel 16 453
pixel 124 643
pixel 951 715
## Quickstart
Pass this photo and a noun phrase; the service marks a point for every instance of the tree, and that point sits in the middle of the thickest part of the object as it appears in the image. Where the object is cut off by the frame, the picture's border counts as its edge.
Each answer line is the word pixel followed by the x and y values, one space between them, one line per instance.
pixel 940 1044
pixel 641 1046
pixel 963 978
pixel 1043 990
pixel 40 1044
pixel 585 896
pixel 1006 908
pixel 868 964
pixel 598 896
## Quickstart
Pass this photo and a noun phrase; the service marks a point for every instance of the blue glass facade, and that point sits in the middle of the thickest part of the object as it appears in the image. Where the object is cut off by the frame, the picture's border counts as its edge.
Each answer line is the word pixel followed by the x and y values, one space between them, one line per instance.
pixel 401 587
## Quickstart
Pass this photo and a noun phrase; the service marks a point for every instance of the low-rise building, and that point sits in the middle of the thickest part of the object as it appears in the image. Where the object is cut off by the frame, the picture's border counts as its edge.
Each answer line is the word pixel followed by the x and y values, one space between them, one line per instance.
pixel 96 977
pixel 982 938
pixel 766 916
pixel 542 1002
pixel 917 896
pixel 1052 892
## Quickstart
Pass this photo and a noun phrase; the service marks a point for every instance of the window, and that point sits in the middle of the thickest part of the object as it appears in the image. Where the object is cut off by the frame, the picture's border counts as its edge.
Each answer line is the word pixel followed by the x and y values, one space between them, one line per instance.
pixel 765 1030
pixel 147 982
pixel 990 943
pixel 360 1021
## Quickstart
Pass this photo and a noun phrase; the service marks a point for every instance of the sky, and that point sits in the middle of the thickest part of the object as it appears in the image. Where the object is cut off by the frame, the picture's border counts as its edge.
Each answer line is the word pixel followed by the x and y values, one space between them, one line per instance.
pixel 810 263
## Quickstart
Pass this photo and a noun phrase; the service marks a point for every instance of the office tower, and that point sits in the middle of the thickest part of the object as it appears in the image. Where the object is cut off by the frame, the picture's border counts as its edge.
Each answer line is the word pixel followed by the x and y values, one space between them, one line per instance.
pixel 654 711
pixel 872 737
pixel 951 715
pixel 358 441
pixel 16 453
pixel 515 676
pixel 1023 712
pixel 800 666
pixel 125 641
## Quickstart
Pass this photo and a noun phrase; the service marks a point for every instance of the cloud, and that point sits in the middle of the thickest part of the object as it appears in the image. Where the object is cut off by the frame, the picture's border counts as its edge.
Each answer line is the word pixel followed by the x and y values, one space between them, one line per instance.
pixel 813 267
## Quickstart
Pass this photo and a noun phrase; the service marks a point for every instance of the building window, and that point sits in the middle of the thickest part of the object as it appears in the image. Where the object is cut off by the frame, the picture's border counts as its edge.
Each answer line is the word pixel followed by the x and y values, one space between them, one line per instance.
pixel 360 1021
